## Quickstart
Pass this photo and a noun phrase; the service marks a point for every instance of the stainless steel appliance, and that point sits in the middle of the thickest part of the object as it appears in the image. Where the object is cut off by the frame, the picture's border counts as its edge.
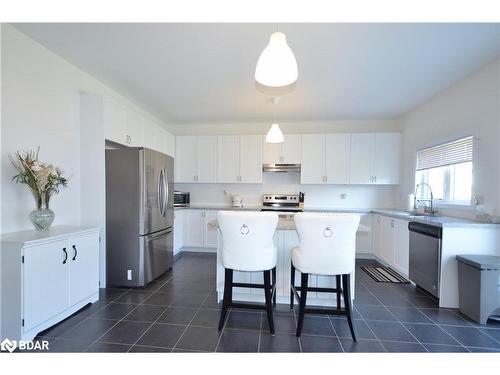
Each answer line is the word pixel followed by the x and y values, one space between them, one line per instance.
pixel 282 168
pixel 425 256
pixel 139 215
pixel 182 199
pixel 283 202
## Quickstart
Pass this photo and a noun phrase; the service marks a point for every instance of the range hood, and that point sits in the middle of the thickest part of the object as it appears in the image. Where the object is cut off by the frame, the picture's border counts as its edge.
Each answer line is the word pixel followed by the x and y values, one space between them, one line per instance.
pixel 281 168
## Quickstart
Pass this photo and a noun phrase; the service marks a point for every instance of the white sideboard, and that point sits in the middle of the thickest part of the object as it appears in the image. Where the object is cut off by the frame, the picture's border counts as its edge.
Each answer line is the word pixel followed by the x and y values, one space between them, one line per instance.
pixel 46 277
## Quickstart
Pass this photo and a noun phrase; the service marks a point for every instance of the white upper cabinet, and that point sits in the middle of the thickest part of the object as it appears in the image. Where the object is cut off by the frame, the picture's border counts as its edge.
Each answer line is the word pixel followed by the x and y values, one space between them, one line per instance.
pixel 228 159
pixel 290 149
pixel 206 155
pixel 185 159
pixel 134 129
pixel 386 164
pixel 251 159
pixel 313 155
pixel 271 152
pixel 375 158
pixel 153 136
pixel 337 150
pixel 195 159
pixel 362 153
pixel 325 159
pixel 287 152
pixel 114 118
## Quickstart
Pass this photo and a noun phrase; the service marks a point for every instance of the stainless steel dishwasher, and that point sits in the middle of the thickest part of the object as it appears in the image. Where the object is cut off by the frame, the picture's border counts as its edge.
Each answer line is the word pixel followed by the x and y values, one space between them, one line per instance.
pixel 425 256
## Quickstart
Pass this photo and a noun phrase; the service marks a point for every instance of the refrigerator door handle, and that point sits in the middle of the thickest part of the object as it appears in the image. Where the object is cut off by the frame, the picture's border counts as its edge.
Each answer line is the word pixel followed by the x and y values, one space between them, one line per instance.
pixel 165 191
pixel 160 193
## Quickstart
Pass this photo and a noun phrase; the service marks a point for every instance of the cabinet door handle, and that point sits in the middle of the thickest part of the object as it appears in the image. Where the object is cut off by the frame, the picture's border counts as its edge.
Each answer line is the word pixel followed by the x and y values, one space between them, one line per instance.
pixel 65 255
pixel 326 178
pixel 75 252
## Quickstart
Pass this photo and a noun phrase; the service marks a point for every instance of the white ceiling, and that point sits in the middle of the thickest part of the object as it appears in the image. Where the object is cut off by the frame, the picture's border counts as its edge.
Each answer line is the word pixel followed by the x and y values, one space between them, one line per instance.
pixel 189 73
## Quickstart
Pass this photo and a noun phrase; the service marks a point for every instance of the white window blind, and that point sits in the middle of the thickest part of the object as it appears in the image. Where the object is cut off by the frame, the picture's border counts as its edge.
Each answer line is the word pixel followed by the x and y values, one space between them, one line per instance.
pixel 459 151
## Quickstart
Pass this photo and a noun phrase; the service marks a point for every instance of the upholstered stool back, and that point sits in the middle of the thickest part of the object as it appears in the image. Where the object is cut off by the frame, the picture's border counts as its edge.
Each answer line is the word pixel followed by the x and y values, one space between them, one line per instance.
pixel 327 243
pixel 247 240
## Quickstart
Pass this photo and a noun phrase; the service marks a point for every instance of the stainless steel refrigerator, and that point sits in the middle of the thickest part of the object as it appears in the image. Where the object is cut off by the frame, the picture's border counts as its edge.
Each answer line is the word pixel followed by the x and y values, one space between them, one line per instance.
pixel 139 215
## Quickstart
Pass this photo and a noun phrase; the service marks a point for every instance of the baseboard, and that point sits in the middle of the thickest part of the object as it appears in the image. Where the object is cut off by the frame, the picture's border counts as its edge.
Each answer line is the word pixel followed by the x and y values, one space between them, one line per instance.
pixel 198 250
pixel 177 256
pixel 365 256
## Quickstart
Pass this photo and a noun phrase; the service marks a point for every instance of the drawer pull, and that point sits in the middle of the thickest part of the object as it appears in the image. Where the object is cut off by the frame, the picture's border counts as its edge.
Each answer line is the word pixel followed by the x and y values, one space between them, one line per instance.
pixel 75 252
pixel 244 230
pixel 328 232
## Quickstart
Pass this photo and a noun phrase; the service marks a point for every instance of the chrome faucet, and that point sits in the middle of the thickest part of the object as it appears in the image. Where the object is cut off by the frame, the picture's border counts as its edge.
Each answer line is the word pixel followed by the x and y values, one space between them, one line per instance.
pixel 432 212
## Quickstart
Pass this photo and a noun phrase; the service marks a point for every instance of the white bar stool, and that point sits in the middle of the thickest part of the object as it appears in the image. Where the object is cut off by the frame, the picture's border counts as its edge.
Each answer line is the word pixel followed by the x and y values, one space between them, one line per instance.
pixel 248 245
pixel 326 247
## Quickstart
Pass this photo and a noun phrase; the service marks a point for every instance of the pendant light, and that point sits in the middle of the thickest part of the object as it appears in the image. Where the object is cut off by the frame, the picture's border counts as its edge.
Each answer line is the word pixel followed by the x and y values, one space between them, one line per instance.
pixel 275 135
pixel 277 65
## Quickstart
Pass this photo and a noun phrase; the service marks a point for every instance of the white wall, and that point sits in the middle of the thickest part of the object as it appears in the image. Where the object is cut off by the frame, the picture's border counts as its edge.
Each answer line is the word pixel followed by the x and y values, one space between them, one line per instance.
pixel 470 107
pixel 41 107
pixel 357 196
pixel 303 127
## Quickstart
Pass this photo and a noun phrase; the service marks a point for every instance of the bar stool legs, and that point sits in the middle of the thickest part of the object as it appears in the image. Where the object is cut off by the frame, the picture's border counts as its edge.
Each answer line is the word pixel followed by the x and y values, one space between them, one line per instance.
pixel 292 283
pixel 304 279
pixel 343 287
pixel 269 287
pixel 227 299
pixel 273 273
pixel 346 287
pixel 269 304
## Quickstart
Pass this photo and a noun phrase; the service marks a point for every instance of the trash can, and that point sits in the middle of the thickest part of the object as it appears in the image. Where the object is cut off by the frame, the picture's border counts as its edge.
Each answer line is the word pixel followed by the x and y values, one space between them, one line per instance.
pixel 479 286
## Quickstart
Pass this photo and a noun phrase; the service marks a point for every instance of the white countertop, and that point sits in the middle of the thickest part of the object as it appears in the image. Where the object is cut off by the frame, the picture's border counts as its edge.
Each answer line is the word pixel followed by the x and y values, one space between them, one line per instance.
pixel 58 231
pixel 442 221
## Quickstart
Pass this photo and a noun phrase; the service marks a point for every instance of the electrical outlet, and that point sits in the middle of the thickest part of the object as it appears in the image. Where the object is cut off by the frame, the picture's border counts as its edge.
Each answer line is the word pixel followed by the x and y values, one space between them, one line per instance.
pixel 129 274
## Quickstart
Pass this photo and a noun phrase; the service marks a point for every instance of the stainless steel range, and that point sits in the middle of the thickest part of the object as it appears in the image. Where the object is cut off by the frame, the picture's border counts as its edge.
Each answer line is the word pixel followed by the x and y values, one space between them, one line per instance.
pixel 283 202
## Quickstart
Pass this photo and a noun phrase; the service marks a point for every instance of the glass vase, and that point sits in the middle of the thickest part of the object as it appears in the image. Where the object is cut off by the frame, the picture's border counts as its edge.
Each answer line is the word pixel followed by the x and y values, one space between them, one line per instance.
pixel 42 217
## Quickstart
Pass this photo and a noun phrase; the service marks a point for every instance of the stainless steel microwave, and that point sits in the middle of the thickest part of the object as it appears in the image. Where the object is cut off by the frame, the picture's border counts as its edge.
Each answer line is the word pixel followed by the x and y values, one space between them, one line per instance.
pixel 181 199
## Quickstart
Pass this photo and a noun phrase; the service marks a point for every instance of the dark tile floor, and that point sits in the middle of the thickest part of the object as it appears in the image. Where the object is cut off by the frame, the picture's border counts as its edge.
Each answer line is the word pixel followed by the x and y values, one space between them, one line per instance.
pixel 178 313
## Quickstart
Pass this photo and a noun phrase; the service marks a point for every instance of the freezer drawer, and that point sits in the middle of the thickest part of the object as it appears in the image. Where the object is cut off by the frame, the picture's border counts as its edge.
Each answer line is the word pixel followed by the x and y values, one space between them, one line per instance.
pixel 156 255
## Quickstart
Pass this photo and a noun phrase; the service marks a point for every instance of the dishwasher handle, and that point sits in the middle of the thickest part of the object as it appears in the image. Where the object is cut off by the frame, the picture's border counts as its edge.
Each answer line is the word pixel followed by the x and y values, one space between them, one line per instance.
pixel 425 229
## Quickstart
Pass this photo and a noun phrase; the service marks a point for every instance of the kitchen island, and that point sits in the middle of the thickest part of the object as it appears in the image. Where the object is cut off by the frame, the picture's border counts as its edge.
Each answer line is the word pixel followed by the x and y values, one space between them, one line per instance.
pixel 285 239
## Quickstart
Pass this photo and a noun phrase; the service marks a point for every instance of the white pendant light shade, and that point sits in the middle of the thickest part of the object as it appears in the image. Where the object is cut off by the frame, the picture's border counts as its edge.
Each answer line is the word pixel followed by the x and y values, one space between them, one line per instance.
pixel 274 135
pixel 276 66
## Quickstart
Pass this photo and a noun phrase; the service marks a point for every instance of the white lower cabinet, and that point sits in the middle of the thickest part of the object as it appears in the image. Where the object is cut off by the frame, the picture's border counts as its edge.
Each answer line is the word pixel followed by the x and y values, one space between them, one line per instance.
pixel 391 241
pixel 178 230
pixel 45 282
pixel 401 246
pixel 46 277
pixel 193 228
pixel 196 232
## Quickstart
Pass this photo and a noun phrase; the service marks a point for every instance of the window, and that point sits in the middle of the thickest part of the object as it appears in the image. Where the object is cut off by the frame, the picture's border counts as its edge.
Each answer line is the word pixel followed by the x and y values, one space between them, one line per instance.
pixel 447 168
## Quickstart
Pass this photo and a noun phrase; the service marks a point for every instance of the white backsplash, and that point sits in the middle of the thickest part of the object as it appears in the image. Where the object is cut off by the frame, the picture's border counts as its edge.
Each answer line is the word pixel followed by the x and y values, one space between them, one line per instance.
pixel 356 196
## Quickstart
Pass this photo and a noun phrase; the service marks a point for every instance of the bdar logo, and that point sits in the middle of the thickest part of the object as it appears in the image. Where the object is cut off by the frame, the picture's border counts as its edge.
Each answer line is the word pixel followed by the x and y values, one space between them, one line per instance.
pixel 8 345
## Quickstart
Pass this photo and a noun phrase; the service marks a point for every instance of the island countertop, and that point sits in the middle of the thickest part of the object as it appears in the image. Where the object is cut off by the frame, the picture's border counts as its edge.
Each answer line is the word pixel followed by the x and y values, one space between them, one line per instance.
pixel 285 222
